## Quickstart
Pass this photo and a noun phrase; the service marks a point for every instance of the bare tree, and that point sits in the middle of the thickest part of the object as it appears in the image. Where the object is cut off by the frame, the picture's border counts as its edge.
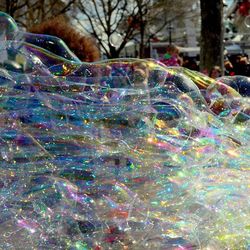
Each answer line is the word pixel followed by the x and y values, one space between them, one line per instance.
pixel 211 34
pixel 110 20
pixel 128 20
pixel 29 12
pixel 143 21
pixel 138 19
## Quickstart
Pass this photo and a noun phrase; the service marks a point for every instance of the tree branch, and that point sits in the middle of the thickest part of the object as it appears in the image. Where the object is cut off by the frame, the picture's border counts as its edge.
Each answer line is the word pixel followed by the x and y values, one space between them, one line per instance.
pixel 65 9
pixel 94 33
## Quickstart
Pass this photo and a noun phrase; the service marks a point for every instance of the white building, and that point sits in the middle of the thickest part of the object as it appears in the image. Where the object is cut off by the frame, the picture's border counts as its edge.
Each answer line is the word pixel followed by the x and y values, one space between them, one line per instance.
pixel 182 29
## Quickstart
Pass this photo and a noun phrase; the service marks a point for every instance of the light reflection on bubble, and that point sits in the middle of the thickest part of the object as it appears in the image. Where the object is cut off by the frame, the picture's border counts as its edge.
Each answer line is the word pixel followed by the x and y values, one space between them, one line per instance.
pixel 120 154
pixel 247 21
pixel 115 40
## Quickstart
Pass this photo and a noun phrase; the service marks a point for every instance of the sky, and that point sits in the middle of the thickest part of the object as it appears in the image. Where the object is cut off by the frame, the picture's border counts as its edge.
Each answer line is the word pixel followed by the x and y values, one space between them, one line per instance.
pixel 229 2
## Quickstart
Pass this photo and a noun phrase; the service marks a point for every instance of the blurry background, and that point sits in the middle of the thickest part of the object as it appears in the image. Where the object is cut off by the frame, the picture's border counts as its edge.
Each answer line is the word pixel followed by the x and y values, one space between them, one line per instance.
pixel 143 28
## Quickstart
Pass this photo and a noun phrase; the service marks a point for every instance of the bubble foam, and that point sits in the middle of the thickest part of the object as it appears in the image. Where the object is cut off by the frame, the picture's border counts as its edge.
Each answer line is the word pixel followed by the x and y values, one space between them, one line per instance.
pixel 119 154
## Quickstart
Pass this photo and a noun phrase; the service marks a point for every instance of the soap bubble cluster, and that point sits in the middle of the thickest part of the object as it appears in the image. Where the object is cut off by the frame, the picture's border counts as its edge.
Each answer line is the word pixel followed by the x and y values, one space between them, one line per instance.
pixel 118 154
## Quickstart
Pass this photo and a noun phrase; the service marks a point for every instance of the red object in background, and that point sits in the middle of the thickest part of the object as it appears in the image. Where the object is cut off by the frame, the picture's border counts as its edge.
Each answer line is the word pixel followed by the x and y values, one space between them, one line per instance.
pixel 98 248
pixel 133 22
pixel 244 8
pixel 155 39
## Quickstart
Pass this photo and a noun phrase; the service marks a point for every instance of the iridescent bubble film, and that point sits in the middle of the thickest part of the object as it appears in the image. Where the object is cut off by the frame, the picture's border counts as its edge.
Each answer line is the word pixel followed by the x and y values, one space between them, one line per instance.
pixel 118 154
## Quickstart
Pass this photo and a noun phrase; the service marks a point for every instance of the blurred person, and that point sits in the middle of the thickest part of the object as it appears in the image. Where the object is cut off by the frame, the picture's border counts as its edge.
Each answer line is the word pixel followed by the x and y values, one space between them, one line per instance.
pixel 84 47
pixel 190 63
pixel 205 72
pixel 237 65
pixel 229 69
pixel 215 72
pixel 186 61
pixel 172 58
pixel 140 75
pixel 245 66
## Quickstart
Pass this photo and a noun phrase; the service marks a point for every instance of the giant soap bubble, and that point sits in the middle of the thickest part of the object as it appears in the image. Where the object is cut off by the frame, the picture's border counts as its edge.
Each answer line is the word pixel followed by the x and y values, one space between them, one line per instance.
pixel 118 154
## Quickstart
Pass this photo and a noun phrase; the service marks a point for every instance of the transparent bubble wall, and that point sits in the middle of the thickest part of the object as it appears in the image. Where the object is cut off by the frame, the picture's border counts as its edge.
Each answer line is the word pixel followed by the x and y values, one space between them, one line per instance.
pixel 118 154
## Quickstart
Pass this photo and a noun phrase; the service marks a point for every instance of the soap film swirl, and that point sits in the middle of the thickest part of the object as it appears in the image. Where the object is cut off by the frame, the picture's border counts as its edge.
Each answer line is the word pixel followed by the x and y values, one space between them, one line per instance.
pixel 118 154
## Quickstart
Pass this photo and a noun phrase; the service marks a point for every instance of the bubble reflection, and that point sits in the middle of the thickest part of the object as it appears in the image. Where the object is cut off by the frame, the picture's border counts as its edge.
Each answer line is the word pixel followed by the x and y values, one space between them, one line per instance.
pixel 119 154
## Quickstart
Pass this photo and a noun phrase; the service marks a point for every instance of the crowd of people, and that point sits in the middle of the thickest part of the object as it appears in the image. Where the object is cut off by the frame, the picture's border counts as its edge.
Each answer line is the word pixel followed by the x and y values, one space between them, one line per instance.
pixel 233 64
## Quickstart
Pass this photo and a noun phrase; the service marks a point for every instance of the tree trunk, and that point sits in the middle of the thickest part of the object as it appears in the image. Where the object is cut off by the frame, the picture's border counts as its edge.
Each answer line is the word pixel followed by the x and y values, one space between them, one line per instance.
pixel 142 45
pixel 113 52
pixel 211 52
pixel 9 7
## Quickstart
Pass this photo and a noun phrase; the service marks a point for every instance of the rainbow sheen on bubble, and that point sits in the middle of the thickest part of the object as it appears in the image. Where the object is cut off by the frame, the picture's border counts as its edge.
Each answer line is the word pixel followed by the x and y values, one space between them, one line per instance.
pixel 118 154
